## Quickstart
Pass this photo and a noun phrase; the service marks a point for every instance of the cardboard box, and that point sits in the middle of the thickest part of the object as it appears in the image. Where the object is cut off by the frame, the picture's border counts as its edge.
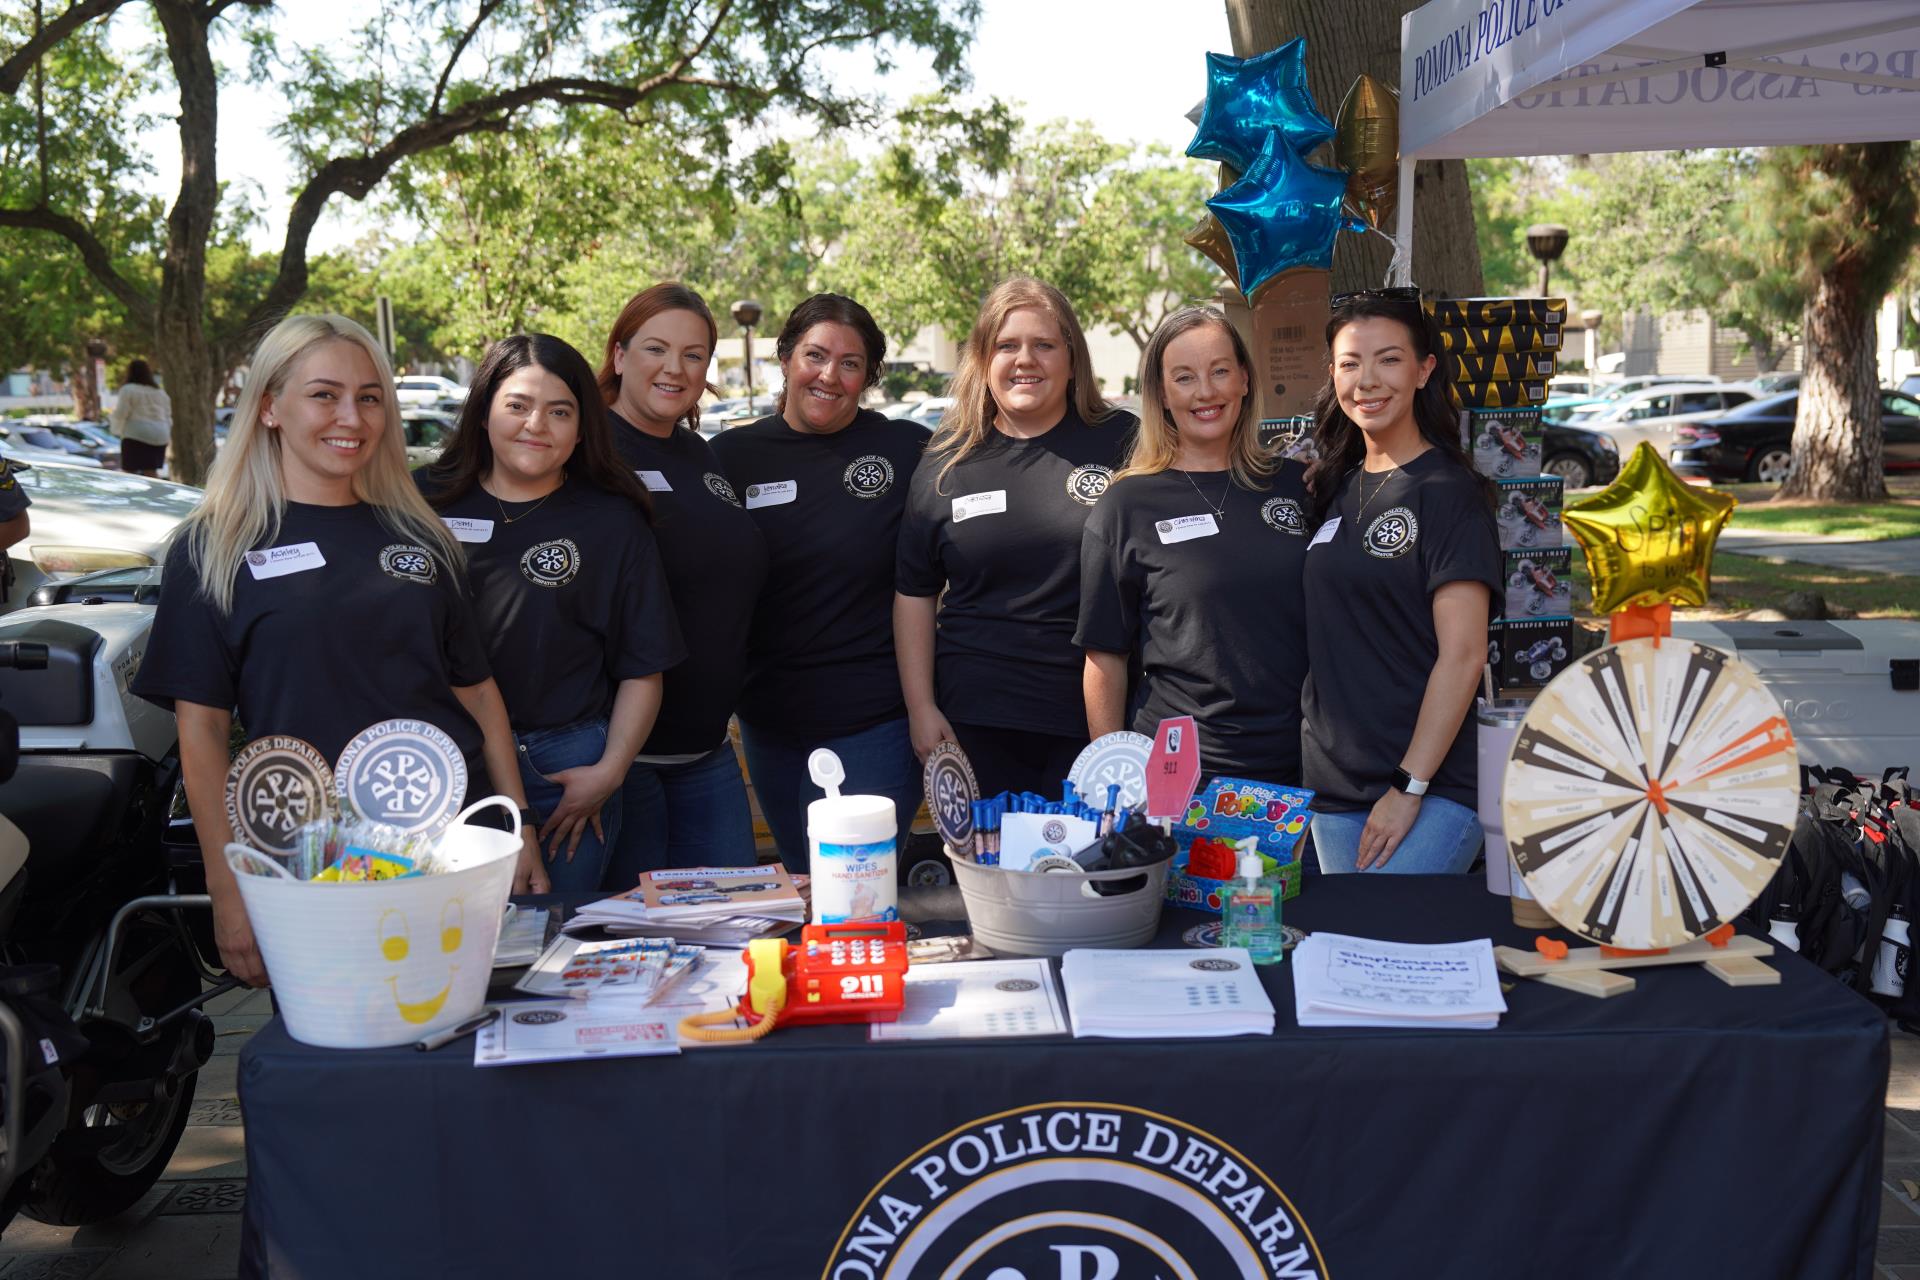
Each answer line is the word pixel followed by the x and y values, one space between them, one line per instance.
pixel 1473 311
pixel 1533 651
pixel 1232 809
pixel 1528 513
pixel 1286 334
pixel 1492 338
pixel 1496 395
pixel 1201 893
pixel 1539 583
pixel 1505 443
pixel 1499 366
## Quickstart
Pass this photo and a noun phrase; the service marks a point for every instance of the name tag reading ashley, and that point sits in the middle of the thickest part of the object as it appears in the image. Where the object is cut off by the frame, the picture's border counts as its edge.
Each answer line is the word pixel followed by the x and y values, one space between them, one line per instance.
pixel 1185 528
pixel 656 481
pixel 774 493
pixel 464 529
pixel 979 504
pixel 1325 533
pixel 275 562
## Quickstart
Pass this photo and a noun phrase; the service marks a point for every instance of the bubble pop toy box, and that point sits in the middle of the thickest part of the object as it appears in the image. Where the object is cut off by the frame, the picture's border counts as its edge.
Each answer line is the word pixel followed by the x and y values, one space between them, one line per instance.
pixel 1231 809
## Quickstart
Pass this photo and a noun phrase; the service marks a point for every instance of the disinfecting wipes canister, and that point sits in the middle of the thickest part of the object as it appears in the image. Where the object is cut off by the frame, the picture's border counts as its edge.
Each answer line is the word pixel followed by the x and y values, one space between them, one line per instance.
pixel 851 839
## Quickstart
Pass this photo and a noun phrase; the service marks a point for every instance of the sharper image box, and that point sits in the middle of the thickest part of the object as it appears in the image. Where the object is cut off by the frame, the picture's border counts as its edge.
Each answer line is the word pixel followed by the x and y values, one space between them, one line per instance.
pixel 1529 513
pixel 1533 650
pixel 1539 583
pixel 1504 442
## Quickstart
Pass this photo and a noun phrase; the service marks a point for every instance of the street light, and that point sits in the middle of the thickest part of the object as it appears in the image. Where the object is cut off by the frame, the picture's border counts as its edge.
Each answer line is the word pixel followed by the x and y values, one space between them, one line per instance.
pixel 1546 241
pixel 747 314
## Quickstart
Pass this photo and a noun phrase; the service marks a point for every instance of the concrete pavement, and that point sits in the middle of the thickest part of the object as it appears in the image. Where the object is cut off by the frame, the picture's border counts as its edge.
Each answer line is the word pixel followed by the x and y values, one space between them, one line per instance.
pixel 1890 555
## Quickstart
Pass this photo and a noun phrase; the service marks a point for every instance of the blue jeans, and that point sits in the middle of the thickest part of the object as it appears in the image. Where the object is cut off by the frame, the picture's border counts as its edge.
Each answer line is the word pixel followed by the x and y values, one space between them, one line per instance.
pixel 682 815
pixel 879 762
pixel 547 751
pixel 1442 841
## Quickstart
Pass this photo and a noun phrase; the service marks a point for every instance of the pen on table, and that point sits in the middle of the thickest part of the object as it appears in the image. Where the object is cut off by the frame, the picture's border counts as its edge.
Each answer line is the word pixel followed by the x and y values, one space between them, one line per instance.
pixel 447 1037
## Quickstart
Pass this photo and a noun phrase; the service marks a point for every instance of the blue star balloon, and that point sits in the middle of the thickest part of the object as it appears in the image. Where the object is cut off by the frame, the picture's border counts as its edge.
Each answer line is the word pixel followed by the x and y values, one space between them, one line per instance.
pixel 1248 98
pixel 1283 213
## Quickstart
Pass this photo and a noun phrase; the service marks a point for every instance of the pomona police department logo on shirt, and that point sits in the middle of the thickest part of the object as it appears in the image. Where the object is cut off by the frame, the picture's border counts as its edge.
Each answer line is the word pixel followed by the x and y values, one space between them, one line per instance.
pixel 868 476
pixel 1285 515
pixel 409 563
pixel 552 563
pixel 1086 484
pixel 1392 533
pixel 1071 1189
pixel 717 485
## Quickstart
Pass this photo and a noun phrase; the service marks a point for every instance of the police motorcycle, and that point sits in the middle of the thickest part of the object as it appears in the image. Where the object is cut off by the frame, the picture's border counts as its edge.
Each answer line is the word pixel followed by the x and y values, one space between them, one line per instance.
pixel 102 968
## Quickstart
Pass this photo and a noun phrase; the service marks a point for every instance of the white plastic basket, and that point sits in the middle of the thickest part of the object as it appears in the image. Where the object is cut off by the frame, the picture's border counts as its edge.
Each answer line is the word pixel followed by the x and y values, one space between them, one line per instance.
pixel 1048 913
pixel 383 962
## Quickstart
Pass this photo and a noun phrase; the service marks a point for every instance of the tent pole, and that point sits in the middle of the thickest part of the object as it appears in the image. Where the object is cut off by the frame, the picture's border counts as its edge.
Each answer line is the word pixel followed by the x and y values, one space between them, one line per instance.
pixel 1401 269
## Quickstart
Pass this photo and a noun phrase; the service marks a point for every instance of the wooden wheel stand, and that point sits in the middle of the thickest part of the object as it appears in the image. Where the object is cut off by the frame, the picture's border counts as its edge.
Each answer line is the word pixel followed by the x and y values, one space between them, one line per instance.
pixel 1731 957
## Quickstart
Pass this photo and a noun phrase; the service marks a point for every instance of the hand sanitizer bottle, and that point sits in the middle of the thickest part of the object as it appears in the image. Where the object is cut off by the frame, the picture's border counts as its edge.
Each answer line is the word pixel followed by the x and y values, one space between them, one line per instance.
pixel 1250 916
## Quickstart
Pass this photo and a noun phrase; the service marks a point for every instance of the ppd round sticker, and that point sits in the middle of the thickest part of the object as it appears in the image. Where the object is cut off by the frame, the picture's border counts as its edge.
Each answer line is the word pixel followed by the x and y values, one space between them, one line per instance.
pixel 403 773
pixel 275 786
pixel 951 791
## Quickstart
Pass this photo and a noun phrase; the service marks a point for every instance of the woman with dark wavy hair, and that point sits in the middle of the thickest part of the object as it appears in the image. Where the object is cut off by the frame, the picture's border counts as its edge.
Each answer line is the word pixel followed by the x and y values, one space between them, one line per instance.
pixel 1400 582
pixel 567 585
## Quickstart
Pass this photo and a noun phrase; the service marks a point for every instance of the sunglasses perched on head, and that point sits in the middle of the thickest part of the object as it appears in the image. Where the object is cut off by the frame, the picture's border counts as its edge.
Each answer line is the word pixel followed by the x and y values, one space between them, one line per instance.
pixel 1395 293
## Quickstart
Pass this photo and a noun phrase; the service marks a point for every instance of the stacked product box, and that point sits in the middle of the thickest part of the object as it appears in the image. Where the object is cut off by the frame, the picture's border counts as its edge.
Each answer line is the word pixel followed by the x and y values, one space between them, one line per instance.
pixel 1497 354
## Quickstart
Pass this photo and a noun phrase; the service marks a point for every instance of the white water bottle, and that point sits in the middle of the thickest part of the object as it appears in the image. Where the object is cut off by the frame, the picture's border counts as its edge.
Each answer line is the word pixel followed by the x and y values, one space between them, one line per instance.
pixel 850 842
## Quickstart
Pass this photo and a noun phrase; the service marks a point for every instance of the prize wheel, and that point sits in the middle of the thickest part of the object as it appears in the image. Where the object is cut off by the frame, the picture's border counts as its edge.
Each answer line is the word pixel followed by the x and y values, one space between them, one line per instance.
pixel 1651 793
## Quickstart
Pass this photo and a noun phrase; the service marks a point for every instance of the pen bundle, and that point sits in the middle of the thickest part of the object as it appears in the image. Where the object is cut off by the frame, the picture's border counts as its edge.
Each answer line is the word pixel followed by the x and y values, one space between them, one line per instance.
pixel 1121 837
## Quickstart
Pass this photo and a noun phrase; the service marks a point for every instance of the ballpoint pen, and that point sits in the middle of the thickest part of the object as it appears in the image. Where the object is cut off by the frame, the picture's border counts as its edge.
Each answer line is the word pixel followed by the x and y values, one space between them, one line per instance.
pixel 440 1038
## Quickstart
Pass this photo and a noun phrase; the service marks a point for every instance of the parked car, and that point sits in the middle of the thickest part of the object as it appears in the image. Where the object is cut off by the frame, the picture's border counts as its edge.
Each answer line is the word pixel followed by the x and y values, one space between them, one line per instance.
pixel 1573 408
pixel 929 412
pixel 1649 414
pixel 1911 384
pixel 17 444
pixel 737 412
pixel 1772 384
pixel 84 520
pixel 427 389
pixel 1755 441
pixel 1570 386
pixel 1578 455
pixel 429 432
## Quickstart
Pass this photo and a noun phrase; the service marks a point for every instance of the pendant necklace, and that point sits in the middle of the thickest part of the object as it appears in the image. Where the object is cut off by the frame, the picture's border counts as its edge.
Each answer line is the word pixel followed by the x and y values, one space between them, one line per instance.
pixel 1219 512
pixel 507 519
pixel 1364 498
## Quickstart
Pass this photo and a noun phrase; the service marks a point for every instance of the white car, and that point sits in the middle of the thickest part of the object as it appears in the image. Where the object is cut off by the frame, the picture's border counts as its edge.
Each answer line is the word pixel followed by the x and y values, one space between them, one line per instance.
pixel 16 446
pixel 84 520
pixel 425 389
pixel 1651 414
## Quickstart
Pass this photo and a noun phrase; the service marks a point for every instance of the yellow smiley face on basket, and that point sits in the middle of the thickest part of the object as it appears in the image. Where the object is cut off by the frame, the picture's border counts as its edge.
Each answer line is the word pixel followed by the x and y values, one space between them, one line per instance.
pixel 396 946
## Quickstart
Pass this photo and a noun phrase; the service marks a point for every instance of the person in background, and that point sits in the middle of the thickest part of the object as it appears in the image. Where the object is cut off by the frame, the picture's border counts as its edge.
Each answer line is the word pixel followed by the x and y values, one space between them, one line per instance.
pixel 567 588
pixel 1400 585
pixel 685 801
pixel 15 524
pixel 1191 564
pixel 313 593
pixel 826 481
pixel 143 419
pixel 987 585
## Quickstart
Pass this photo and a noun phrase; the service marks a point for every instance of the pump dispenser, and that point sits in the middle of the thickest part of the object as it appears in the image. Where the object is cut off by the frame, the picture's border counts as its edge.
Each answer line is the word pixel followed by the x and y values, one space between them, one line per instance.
pixel 1250 916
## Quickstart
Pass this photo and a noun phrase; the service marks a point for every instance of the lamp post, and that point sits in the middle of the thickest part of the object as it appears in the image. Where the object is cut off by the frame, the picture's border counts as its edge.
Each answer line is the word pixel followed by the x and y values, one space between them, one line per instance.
pixel 1546 241
pixel 747 314
pixel 1591 319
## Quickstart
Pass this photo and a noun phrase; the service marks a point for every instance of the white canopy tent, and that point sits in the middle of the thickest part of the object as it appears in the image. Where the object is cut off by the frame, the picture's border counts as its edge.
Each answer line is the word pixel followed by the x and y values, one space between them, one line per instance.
pixel 1561 77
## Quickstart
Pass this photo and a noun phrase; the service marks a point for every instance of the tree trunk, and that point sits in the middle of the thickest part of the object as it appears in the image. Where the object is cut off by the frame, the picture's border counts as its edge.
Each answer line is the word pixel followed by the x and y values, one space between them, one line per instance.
pixel 86 395
pixel 1838 435
pixel 180 316
pixel 1343 41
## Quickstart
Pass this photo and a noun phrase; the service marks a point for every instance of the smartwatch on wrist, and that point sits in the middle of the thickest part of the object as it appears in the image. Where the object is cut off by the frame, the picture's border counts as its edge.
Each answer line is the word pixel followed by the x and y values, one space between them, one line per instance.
pixel 1404 781
pixel 527 821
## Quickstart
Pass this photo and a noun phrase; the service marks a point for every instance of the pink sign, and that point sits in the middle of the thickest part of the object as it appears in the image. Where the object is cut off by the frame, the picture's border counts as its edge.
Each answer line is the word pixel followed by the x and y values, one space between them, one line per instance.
pixel 1173 770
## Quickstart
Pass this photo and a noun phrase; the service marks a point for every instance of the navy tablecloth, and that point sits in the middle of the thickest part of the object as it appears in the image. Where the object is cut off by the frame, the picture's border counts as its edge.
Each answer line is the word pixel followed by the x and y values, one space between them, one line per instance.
pixel 1686 1128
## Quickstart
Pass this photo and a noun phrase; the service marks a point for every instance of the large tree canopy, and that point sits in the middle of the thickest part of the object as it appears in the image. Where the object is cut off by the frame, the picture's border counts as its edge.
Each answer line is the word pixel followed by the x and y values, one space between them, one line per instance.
pixel 417 77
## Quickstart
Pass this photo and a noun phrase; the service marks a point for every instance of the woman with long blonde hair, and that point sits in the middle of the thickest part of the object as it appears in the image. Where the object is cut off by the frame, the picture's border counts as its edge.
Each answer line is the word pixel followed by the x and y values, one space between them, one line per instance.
pixel 987 585
pixel 314 593
pixel 1191 564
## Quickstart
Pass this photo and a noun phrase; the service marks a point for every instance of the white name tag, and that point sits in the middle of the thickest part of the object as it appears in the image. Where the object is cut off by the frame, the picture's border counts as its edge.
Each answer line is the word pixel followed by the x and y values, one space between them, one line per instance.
pixel 1325 532
pixel 276 562
pixel 979 504
pixel 466 530
pixel 774 493
pixel 1184 528
pixel 656 481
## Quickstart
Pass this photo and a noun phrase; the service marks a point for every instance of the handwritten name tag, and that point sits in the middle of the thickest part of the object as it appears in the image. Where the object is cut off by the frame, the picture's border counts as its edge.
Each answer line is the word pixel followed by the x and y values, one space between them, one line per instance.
pixel 979 504
pixel 656 481
pixel 468 530
pixel 1185 528
pixel 276 562
pixel 774 493
pixel 1325 532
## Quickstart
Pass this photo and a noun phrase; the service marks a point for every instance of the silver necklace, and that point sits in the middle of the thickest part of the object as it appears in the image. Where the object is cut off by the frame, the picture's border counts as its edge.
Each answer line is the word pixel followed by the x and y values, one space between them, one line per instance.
pixel 1219 512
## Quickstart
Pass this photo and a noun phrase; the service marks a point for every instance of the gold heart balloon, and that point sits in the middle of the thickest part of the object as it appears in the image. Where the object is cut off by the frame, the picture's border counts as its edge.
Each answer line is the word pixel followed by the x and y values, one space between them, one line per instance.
pixel 1649 535
pixel 1210 238
pixel 1366 142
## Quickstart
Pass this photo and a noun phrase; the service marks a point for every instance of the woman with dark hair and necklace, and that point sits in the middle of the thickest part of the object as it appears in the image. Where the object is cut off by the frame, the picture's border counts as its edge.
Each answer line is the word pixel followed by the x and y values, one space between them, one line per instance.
pixel 1191 564
pixel 1400 584
pixel 567 587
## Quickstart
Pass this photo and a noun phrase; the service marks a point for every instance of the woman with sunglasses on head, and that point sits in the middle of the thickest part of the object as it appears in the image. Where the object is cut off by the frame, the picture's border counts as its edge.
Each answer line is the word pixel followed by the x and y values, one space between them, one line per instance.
pixel 991 543
pixel 1191 564
pixel 1400 584
pixel 566 584
pixel 826 480
pixel 685 802
pixel 313 593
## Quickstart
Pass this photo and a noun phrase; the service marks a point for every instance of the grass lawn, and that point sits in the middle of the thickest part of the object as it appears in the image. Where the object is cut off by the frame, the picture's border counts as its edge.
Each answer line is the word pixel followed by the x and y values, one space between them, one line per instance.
pixel 1741 583
pixel 1897 517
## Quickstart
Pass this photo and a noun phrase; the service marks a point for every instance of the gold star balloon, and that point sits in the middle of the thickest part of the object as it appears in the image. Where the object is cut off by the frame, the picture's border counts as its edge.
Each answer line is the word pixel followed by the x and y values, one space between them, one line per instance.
pixel 1210 238
pixel 1649 536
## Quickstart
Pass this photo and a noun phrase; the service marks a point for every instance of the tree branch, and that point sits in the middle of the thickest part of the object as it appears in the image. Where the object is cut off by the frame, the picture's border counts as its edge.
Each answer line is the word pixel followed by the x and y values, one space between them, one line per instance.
pixel 99 262
pixel 460 47
pixel 13 72
pixel 214 8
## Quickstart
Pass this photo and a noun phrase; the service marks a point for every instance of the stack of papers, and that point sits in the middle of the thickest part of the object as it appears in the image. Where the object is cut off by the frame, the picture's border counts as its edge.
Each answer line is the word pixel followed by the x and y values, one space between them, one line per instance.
pixel 721 906
pixel 1143 994
pixel 976 1000
pixel 521 937
pixel 567 1030
pixel 1342 981
pixel 631 968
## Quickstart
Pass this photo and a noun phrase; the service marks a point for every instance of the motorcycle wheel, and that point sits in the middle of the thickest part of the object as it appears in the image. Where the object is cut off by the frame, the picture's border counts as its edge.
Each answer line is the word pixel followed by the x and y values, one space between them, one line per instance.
pixel 111 1154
